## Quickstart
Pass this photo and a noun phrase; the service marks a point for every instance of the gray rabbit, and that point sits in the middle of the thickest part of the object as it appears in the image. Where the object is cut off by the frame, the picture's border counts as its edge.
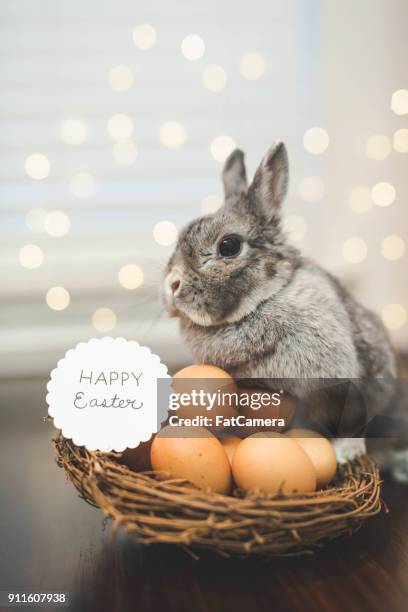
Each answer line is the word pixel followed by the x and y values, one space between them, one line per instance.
pixel 249 302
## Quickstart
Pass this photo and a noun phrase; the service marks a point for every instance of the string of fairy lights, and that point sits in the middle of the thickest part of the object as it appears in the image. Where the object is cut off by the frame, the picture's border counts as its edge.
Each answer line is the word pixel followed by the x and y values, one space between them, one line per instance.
pixel 173 134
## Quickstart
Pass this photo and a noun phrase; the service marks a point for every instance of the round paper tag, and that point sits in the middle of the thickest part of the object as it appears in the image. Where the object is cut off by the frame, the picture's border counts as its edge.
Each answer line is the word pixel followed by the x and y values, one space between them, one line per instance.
pixel 103 394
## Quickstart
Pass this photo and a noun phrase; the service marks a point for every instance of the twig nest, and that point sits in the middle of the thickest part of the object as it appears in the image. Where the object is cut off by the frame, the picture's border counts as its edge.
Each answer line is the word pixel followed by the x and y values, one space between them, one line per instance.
pixel 153 510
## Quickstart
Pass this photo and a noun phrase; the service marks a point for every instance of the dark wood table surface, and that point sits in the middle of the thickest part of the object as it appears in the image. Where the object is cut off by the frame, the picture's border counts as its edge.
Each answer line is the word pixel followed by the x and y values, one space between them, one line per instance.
pixel 51 541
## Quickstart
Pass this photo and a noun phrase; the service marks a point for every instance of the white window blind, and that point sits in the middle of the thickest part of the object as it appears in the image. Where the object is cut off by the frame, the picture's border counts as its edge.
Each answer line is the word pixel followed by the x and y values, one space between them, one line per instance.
pixel 76 89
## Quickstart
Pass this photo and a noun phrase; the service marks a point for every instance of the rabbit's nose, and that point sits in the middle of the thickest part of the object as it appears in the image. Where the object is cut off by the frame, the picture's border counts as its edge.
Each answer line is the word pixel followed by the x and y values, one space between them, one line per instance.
pixel 174 285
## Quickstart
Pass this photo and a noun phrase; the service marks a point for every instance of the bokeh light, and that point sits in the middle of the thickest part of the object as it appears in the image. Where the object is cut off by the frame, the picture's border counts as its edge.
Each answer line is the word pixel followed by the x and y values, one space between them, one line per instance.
pixel 82 185
pixel 57 298
pixel 172 134
pixel 393 247
pixel 316 140
pixel 130 276
pixel 394 316
pixel 378 147
pixel 35 219
pixel 383 194
pixel 295 227
pixel 74 132
pixel 104 319
pixel 210 204
pixel 121 78
pixel 144 36
pixel 37 166
pixel 193 47
pixel 311 189
pixel 125 152
pixel 360 199
pixel 221 147
pixel 354 250
pixel 214 78
pixel 120 126
pixel 399 102
pixel 57 223
pixel 165 233
pixel 252 66
pixel 400 140
pixel 31 256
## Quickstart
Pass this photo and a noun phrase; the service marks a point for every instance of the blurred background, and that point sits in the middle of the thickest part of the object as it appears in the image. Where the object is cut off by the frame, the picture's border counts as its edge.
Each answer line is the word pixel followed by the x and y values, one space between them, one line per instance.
pixel 115 119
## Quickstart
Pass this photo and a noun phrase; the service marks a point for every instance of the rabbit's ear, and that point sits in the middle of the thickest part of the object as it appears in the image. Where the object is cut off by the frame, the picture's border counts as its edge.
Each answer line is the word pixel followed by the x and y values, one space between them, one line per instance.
pixel 270 184
pixel 234 176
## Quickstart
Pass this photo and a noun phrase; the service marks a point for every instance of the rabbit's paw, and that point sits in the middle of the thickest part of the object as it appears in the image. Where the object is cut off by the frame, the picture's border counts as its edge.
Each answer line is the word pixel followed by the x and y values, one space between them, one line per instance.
pixel 398 465
pixel 347 449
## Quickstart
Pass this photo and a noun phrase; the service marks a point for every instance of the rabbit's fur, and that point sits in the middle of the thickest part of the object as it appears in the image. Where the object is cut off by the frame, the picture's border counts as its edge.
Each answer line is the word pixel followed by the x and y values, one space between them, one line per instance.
pixel 269 312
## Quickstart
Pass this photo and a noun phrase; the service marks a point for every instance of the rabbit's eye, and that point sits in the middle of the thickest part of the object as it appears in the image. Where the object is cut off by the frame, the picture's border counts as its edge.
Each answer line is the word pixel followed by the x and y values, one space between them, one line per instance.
pixel 230 246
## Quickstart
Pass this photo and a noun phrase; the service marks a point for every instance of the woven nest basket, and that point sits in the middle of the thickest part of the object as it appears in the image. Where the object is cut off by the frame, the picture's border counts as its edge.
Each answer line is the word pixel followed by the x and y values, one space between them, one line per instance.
pixel 153 510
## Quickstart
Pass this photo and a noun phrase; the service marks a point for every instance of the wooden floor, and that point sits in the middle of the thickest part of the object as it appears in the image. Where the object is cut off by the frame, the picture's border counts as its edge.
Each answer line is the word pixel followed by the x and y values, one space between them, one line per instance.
pixel 52 541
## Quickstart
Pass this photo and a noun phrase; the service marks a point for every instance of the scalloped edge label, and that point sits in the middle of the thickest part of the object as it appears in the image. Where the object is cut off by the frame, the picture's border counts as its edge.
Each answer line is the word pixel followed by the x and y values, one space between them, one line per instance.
pixel 103 394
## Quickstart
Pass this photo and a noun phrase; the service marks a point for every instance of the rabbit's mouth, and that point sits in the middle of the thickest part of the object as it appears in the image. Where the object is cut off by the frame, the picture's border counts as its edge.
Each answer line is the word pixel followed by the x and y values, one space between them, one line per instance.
pixel 169 304
pixel 194 312
pixel 178 304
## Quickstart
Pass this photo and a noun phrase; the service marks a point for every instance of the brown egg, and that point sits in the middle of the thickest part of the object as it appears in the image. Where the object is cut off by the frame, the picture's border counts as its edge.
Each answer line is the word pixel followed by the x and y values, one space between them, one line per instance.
pixel 258 397
pixel 320 452
pixel 205 371
pixel 272 463
pixel 206 379
pixel 195 454
pixel 138 459
pixel 230 444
